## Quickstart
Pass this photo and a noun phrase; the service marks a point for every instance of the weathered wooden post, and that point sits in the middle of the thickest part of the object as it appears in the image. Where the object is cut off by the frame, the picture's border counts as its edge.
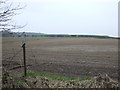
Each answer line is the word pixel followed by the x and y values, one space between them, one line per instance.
pixel 24 58
pixel 24 53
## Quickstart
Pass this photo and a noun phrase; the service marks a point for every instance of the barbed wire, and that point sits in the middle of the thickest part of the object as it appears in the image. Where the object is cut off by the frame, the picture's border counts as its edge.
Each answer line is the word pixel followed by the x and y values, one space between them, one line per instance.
pixel 33 55
pixel 11 59
pixel 15 54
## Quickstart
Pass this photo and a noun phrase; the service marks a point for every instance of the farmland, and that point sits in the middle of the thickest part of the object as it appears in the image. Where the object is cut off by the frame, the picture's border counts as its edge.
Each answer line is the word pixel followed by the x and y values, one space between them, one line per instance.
pixel 64 56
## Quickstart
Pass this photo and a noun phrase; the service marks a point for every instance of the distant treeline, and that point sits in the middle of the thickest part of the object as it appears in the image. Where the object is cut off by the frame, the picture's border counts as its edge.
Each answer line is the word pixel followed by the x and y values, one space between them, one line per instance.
pixel 88 36
pixel 29 34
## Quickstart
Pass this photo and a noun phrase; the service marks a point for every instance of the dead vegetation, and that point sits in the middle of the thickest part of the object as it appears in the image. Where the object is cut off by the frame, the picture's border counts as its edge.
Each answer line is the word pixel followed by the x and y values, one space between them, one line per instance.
pixel 101 81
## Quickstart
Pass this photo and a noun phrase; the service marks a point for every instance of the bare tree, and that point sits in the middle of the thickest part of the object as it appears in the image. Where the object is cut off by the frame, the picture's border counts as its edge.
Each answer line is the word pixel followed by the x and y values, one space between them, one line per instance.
pixel 7 12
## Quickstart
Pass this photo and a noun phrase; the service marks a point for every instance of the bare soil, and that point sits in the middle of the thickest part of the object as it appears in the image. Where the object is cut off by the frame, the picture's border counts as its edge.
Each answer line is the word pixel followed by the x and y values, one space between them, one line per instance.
pixel 74 57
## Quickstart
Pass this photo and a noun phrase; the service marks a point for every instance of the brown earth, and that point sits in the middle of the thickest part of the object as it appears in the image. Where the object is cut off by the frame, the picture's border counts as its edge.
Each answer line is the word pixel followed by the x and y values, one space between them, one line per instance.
pixel 76 57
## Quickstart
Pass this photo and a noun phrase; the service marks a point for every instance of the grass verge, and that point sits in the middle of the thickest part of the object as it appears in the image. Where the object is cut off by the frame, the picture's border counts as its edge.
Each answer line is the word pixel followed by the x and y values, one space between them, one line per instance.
pixel 56 77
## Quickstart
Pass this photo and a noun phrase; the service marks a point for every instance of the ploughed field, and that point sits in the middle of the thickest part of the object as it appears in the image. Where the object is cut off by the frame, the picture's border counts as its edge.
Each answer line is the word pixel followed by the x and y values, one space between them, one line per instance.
pixel 65 56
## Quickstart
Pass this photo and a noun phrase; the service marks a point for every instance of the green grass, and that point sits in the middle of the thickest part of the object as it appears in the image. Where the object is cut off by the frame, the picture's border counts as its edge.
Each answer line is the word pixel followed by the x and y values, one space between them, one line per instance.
pixel 55 77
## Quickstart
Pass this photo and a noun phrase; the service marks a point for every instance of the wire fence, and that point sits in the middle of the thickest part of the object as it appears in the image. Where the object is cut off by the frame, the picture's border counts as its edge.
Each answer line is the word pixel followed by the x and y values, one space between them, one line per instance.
pixel 12 54
pixel 46 55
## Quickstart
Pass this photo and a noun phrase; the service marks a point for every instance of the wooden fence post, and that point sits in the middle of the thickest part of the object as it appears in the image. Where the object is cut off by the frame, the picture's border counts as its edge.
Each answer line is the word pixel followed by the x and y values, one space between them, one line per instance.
pixel 24 58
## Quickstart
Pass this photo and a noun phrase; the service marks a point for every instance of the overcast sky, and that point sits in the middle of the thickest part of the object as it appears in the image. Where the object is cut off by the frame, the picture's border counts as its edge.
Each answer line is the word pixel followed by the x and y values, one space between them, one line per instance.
pixel 99 17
